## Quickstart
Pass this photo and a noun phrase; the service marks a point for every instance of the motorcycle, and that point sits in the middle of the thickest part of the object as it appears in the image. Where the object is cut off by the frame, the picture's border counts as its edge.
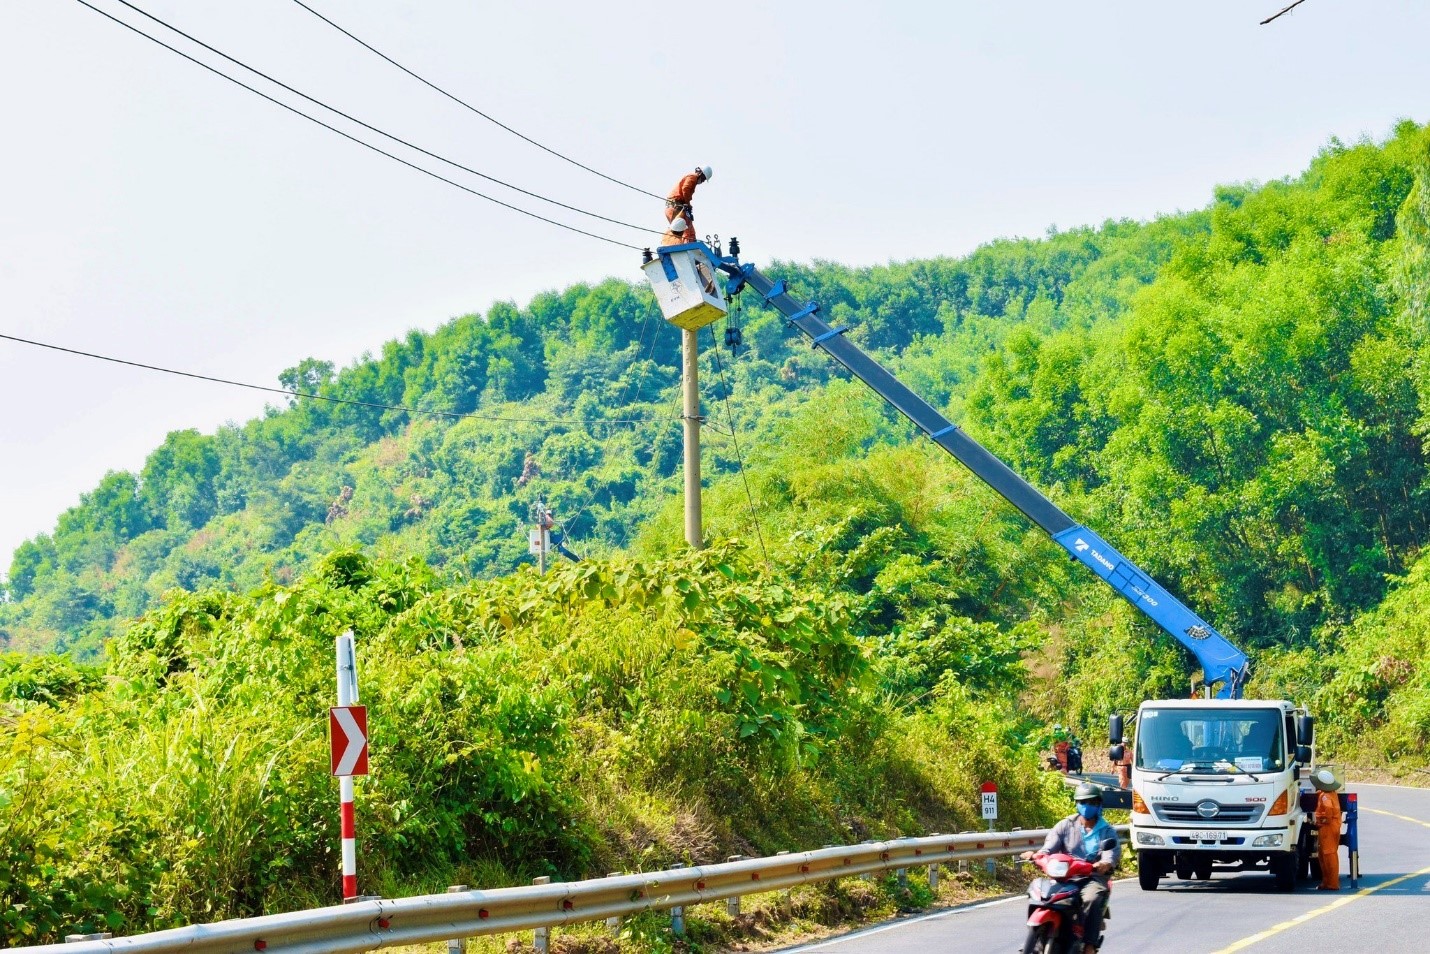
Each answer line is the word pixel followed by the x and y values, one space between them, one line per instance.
pixel 1055 906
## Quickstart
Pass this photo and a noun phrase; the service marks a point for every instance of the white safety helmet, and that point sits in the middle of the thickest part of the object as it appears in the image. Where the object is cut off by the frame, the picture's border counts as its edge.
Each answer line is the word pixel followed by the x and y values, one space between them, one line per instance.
pixel 677 224
pixel 1327 778
pixel 705 171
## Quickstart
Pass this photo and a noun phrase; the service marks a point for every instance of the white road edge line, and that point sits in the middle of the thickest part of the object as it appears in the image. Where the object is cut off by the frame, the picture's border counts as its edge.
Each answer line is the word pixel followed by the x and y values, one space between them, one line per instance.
pixel 867 932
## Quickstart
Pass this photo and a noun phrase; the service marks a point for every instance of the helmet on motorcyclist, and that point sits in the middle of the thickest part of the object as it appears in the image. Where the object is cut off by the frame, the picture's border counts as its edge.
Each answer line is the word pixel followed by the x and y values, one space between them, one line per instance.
pixel 1089 801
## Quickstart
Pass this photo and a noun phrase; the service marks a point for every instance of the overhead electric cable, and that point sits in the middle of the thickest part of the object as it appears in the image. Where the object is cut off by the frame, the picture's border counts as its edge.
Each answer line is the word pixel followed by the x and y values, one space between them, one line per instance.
pixel 469 106
pixel 360 142
pixel 397 139
pixel 735 443
pixel 456 415
pixel 1282 11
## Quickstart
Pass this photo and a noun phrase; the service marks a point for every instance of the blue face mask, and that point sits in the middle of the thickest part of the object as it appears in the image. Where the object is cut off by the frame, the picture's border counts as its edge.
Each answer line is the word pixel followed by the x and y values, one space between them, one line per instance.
pixel 1089 811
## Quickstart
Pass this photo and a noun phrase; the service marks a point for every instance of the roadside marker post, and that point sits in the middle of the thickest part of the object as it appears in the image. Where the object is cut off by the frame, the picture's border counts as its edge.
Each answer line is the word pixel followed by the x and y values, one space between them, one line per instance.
pixel 989 797
pixel 347 726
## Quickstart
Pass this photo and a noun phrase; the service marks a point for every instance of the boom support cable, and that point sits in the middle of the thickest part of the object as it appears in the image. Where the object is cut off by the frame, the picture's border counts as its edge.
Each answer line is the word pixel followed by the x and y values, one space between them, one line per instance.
pixel 469 106
pixel 368 126
pixel 346 135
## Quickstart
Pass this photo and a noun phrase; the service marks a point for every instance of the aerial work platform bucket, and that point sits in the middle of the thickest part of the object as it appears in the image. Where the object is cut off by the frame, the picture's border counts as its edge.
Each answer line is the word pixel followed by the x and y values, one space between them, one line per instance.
pixel 683 280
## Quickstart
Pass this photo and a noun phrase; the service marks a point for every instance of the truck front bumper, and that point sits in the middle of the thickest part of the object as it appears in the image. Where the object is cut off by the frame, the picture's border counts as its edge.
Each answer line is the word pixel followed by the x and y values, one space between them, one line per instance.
pixel 1282 838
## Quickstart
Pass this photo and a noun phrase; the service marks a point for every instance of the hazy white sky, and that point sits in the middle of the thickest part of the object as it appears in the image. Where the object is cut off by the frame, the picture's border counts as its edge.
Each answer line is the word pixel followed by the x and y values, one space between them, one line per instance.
pixel 152 211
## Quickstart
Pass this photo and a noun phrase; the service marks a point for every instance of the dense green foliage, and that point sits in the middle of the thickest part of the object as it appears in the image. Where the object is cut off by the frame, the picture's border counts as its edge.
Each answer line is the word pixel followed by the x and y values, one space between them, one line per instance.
pixel 264 500
pixel 1237 397
pixel 606 715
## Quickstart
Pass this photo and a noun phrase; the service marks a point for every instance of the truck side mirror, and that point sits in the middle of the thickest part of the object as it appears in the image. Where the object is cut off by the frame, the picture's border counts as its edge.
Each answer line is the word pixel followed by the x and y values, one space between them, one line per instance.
pixel 1117 752
pixel 1305 729
pixel 1114 728
pixel 1303 754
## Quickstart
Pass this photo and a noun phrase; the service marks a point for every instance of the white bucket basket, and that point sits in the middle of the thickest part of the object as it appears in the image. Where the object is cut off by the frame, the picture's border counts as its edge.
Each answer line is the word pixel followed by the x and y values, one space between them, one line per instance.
pixel 685 286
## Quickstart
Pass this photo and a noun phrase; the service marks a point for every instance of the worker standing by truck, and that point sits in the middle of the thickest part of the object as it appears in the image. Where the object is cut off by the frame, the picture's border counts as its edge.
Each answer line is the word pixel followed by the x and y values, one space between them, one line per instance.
pixel 678 210
pixel 1328 828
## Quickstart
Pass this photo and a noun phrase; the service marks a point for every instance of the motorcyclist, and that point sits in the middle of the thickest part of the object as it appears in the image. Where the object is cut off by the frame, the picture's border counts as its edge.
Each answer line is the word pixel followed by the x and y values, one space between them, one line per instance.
pixel 1085 834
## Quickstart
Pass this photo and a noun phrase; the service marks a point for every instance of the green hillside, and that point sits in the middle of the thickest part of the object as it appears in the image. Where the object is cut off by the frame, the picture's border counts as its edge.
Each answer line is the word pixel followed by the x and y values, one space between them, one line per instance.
pixel 1236 396
pixel 264 500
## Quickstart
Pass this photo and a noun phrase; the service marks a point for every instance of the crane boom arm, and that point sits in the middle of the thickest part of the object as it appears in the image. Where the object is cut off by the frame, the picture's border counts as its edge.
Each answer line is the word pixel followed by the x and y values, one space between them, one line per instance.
pixel 1222 663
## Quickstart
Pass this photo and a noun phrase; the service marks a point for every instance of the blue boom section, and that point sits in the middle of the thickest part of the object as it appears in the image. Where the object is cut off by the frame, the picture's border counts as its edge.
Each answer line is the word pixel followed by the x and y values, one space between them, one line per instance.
pixel 1222 663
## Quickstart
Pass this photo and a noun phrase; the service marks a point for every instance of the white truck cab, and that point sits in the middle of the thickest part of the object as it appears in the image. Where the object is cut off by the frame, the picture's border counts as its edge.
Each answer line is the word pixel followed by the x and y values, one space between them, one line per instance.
pixel 1218 782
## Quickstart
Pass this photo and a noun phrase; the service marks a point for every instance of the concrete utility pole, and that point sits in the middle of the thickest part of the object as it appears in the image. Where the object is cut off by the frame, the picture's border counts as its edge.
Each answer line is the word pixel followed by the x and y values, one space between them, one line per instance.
pixel 541 533
pixel 690 387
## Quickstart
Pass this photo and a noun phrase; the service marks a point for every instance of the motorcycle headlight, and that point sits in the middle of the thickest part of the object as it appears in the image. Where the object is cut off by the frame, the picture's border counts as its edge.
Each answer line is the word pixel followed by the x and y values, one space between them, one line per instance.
pixel 1057 869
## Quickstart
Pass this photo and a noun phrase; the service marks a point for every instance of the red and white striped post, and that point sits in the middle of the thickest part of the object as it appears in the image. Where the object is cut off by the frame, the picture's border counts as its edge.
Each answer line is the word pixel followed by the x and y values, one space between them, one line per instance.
pixel 345 764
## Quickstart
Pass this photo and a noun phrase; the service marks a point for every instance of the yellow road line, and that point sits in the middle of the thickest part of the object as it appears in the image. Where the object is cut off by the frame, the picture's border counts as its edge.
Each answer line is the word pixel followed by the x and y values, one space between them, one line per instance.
pixel 1339 902
pixel 1301 918
pixel 1413 821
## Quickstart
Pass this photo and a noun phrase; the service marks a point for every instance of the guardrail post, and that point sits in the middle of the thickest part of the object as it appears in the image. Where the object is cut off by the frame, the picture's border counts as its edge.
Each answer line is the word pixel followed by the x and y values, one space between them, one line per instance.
pixel 613 923
pixel 932 870
pixel 456 945
pixel 542 935
pixel 787 895
pixel 732 905
pixel 677 913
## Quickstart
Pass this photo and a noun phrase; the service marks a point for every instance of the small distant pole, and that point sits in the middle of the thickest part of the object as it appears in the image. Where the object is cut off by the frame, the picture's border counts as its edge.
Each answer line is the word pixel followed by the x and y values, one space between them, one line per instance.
pixel 542 523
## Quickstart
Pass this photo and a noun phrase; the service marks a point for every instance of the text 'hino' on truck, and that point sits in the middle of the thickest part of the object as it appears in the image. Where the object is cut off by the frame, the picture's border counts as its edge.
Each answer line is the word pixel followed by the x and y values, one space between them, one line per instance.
pixel 1215 781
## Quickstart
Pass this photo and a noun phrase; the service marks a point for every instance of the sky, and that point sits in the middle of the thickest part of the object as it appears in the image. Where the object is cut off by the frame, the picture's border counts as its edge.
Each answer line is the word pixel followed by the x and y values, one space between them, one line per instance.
pixel 152 211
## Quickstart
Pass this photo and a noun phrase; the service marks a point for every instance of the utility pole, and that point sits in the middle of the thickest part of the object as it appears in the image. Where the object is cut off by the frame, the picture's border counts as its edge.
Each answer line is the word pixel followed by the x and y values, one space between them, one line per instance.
pixel 690 388
pixel 683 279
pixel 541 533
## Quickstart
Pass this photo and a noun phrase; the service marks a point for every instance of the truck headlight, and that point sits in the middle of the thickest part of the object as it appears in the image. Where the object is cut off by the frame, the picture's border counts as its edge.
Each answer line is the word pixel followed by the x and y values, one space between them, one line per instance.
pixel 1269 841
pixel 1147 838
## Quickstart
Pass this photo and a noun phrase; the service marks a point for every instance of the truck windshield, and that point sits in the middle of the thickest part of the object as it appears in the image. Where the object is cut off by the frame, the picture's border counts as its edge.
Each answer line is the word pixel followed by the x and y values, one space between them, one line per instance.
pixel 1210 741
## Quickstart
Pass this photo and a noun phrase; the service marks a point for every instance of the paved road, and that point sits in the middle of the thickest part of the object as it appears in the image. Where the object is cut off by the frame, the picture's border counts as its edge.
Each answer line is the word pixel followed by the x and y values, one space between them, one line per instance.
pixel 1233 912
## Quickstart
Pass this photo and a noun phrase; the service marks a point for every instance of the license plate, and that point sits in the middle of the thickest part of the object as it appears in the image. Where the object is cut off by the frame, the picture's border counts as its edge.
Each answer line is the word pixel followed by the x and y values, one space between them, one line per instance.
pixel 1212 836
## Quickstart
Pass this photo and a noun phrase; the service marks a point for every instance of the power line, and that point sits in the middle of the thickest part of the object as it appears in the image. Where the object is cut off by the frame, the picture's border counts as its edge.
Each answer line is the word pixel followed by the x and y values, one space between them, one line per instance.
pixel 455 415
pixel 735 443
pixel 360 142
pixel 1282 11
pixel 398 139
pixel 469 106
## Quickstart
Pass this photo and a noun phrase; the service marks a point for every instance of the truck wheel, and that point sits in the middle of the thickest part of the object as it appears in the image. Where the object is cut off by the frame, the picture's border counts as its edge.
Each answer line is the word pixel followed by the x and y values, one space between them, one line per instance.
pixel 1283 870
pixel 1148 876
pixel 1202 869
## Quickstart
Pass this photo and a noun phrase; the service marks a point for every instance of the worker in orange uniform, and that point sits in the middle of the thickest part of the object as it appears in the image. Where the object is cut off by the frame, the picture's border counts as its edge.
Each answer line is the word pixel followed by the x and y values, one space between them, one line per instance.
pixel 1328 828
pixel 678 210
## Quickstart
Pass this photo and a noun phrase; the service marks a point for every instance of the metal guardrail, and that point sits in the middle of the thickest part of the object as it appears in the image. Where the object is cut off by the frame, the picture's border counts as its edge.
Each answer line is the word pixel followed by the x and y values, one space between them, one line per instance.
pixel 373 924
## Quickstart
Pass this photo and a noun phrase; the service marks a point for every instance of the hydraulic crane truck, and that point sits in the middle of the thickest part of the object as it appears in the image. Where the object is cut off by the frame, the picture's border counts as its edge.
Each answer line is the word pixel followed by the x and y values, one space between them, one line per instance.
pixel 1213 781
